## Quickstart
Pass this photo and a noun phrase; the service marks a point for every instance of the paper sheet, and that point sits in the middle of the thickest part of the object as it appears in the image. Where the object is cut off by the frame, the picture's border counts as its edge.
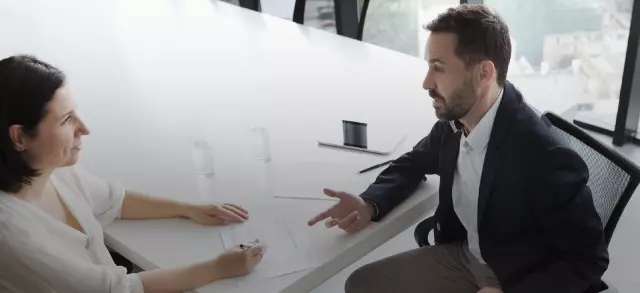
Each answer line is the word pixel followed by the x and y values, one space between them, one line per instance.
pixel 284 254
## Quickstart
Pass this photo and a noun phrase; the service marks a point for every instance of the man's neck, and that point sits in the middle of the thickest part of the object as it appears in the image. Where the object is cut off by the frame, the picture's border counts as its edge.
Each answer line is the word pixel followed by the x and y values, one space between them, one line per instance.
pixel 34 191
pixel 480 108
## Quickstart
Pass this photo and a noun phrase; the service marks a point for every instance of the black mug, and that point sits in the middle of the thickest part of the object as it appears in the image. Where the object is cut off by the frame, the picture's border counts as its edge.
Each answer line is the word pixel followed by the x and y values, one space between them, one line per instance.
pixel 355 134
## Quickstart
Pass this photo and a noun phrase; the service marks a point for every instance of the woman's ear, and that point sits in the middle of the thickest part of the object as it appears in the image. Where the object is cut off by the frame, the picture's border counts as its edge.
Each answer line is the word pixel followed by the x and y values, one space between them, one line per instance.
pixel 18 137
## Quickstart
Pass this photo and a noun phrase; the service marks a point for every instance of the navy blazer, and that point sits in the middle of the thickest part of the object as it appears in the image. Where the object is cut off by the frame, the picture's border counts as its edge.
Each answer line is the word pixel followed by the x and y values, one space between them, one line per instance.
pixel 539 230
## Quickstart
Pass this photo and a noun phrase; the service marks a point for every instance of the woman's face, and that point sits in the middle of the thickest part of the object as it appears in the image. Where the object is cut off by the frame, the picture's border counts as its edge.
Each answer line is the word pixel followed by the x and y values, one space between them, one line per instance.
pixel 58 140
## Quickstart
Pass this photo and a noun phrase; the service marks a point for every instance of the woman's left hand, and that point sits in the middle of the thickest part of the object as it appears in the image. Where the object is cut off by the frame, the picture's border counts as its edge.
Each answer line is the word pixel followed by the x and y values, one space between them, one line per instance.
pixel 216 215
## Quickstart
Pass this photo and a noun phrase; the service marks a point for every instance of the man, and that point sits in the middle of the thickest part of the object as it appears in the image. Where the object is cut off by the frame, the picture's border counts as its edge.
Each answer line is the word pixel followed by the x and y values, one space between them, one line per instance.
pixel 515 214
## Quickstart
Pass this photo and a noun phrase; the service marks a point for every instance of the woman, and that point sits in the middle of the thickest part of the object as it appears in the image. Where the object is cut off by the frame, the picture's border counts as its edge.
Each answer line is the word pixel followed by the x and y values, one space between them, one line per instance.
pixel 52 212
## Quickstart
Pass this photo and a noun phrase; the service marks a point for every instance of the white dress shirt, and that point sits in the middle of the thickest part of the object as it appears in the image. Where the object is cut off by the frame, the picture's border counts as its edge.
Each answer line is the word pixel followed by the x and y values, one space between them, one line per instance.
pixel 466 178
pixel 39 253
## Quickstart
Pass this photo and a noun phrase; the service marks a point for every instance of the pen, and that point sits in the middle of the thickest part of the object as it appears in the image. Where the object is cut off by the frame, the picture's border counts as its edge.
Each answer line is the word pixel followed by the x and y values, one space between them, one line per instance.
pixel 376 166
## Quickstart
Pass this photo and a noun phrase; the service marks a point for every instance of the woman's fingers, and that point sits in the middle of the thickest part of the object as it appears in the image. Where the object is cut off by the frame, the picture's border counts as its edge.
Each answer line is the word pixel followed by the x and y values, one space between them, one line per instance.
pixel 256 259
pixel 240 208
pixel 222 212
pixel 256 253
pixel 256 250
pixel 236 211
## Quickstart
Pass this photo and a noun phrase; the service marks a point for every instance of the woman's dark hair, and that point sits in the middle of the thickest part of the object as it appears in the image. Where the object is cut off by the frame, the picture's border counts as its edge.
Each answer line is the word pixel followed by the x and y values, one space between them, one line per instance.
pixel 27 85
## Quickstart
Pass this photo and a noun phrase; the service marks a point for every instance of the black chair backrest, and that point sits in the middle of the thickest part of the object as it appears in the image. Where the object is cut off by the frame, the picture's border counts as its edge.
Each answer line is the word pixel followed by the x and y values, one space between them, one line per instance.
pixel 612 177
pixel 249 4
pixel 363 18
pixel 345 15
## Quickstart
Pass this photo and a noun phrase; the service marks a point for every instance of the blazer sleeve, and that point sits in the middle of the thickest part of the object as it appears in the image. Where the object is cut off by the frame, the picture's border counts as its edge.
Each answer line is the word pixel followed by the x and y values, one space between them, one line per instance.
pixel 565 212
pixel 398 181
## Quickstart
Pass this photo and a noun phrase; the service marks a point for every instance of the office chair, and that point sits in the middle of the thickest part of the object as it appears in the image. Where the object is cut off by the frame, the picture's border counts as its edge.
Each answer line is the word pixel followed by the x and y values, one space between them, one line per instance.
pixel 612 180
pixel 122 261
pixel 363 18
pixel 341 14
pixel 254 5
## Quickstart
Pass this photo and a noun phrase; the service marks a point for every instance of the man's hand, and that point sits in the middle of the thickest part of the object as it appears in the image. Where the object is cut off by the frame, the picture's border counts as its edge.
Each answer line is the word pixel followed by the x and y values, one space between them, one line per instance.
pixel 351 213
pixel 216 214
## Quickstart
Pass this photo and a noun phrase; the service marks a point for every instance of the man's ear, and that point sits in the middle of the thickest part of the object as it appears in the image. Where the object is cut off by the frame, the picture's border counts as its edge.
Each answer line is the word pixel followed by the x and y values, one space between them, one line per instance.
pixel 18 137
pixel 487 72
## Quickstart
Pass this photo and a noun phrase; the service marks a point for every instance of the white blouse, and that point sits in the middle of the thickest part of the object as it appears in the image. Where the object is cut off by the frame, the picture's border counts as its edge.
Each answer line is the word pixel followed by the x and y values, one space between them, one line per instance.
pixel 39 253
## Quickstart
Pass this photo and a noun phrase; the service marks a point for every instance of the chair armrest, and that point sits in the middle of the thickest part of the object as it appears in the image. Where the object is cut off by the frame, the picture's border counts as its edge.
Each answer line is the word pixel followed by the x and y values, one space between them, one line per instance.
pixel 610 289
pixel 121 261
pixel 602 287
pixel 421 234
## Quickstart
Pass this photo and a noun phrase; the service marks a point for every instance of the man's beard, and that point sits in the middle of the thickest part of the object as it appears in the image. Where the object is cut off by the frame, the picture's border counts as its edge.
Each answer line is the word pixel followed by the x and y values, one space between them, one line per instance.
pixel 458 105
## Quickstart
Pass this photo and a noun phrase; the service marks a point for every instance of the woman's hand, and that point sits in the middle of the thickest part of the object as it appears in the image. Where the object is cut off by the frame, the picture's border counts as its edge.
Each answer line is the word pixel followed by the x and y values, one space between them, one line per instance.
pixel 234 262
pixel 239 261
pixel 216 214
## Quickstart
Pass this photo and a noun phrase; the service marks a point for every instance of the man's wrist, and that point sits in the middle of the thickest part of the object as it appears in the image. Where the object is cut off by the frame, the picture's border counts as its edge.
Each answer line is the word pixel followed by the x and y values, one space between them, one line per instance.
pixel 372 207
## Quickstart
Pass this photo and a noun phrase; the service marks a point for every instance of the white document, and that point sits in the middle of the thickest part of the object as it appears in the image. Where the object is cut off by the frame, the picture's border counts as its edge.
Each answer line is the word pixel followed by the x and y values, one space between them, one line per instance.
pixel 284 254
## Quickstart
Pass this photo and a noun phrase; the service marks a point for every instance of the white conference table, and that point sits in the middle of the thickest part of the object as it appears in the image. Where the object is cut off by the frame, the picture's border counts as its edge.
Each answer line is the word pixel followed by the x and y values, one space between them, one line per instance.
pixel 150 75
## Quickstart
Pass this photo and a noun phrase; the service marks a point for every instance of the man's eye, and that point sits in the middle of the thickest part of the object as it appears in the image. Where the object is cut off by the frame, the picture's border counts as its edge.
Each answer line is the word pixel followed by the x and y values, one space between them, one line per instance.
pixel 438 69
pixel 66 120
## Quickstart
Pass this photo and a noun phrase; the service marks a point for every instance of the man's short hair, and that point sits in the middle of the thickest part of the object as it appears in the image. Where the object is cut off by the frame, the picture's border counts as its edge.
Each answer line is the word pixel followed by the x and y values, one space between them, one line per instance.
pixel 482 35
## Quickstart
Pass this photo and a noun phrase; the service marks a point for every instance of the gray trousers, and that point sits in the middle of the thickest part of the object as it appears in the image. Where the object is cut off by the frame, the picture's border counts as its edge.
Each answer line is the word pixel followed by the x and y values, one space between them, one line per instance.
pixel 446 268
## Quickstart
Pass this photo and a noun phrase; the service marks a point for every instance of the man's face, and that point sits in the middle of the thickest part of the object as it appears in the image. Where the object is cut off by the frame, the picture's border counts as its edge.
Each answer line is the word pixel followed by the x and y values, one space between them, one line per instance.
pixel 448 80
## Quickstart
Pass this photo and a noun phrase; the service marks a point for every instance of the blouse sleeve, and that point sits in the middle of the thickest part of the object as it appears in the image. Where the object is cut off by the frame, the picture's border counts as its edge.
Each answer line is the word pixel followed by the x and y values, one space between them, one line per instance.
pixel 105 198
pixel 27 265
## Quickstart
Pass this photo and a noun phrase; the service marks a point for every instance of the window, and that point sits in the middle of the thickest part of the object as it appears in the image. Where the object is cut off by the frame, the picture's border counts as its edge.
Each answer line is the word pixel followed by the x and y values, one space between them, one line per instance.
pixel 568 52
pixel 568 55
pixel 397 24
pixel 320 14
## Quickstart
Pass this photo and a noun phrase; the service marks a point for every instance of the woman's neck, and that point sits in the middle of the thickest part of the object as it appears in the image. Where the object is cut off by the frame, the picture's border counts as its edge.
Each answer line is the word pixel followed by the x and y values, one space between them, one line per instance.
pixel 34 191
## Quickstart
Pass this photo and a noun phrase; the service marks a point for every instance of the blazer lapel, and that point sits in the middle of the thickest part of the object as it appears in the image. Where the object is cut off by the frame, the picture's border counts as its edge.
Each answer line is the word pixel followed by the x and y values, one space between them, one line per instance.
pixel 492 157
pixel 448 166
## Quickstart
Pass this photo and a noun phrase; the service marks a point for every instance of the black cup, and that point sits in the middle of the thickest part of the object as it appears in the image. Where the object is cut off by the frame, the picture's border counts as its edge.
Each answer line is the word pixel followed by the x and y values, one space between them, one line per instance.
pixel 355 134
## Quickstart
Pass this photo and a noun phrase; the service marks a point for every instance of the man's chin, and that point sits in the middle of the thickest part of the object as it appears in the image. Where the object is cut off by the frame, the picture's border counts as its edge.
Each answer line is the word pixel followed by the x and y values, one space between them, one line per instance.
pixel 439 113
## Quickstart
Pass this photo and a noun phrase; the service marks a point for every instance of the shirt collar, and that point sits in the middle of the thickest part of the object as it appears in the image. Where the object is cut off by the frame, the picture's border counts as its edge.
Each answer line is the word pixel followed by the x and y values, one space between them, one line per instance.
pixel 457 126
pixel 479 137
